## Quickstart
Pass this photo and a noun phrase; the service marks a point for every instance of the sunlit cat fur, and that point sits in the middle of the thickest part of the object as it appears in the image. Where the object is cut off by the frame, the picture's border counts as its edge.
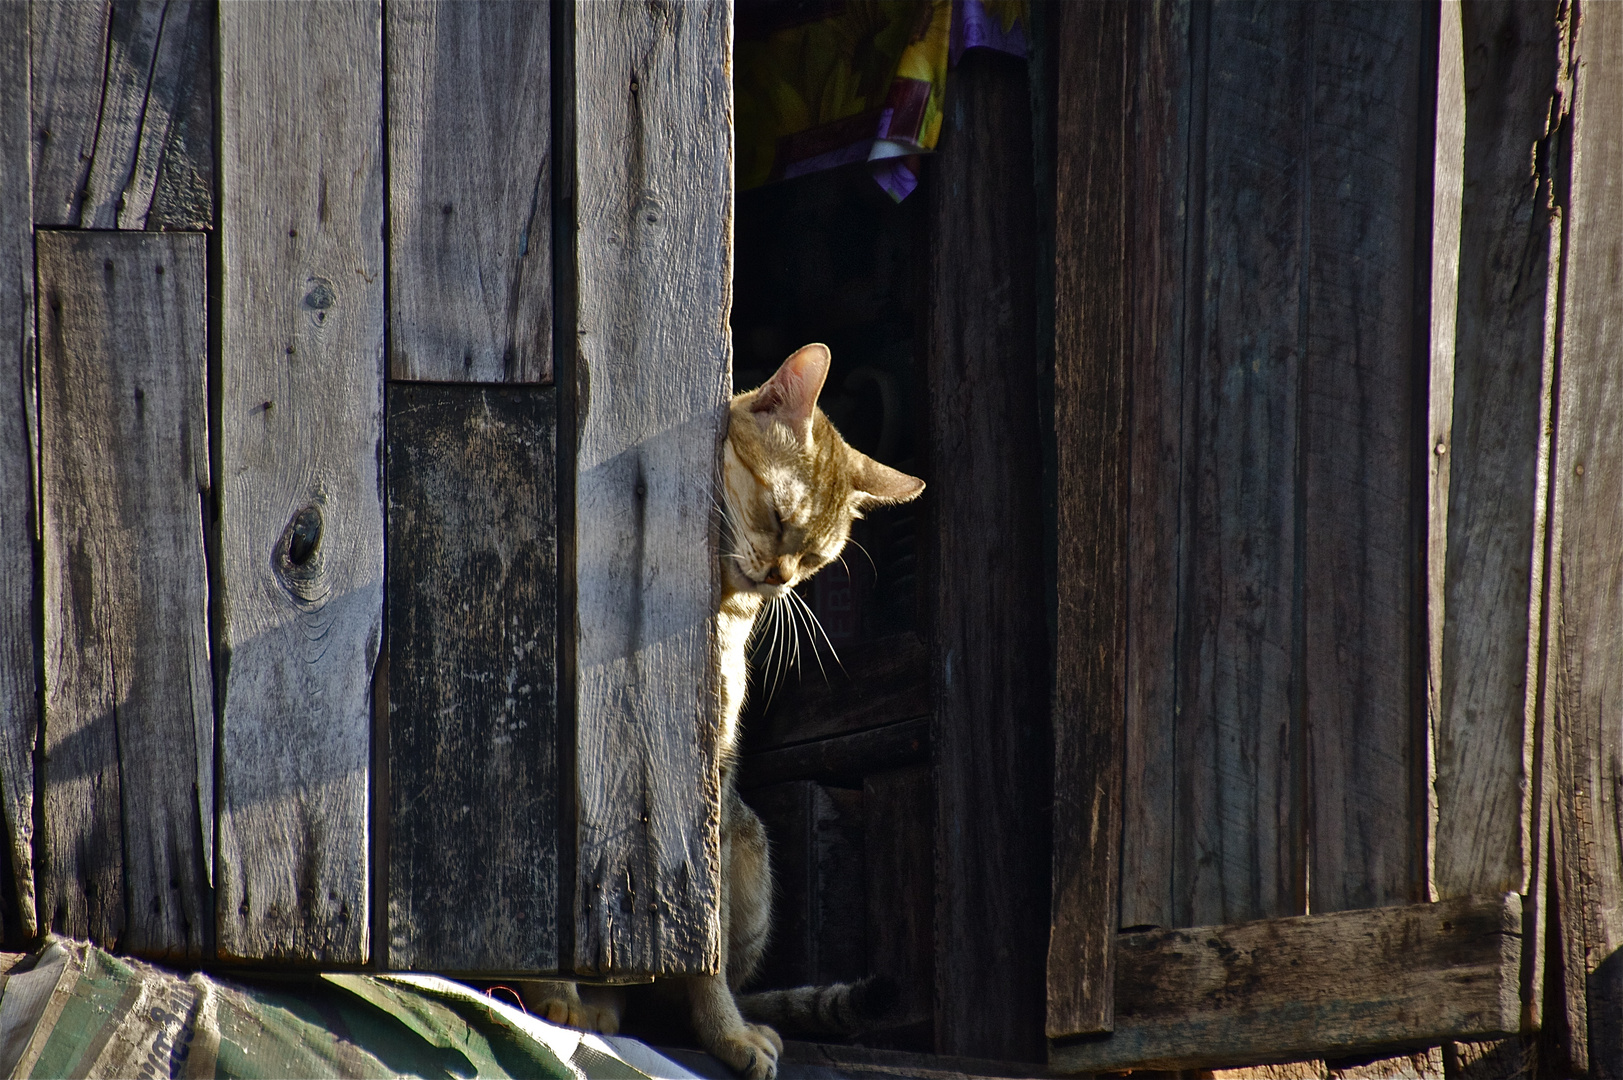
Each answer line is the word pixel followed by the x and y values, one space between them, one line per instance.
pixel 791 488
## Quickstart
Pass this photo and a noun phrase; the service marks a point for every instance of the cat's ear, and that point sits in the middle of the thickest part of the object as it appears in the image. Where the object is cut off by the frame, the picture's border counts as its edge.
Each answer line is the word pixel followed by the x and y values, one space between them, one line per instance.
pixel 790 395
pixel 881 485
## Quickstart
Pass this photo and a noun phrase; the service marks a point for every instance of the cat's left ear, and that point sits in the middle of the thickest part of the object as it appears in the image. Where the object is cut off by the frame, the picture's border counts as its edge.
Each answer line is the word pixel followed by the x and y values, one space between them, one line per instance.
pixel 790 395
pixel 881 485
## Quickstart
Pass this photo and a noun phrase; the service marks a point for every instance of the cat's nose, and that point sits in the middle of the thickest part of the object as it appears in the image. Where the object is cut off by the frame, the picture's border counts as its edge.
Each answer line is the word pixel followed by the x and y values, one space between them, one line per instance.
pixel 774 575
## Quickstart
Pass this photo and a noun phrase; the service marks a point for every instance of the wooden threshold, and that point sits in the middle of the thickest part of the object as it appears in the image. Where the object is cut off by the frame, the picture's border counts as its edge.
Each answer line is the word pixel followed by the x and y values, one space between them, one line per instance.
pixel 1310 986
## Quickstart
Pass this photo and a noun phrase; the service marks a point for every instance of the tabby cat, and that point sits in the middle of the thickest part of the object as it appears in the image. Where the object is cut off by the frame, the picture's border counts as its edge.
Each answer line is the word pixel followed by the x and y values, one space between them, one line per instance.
pixel 791 488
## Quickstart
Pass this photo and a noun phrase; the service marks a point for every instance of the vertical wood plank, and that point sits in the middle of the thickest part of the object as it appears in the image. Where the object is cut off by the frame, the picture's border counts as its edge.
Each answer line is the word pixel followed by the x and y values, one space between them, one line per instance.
pixel 653 257
pixel 470 191
pixel 122 114
pixel 1585 607
pixel 899 812
pixel 1090 421
pixel 1486 714
pixel 19 702
pixel 129 705
pixel 1160 158
pixel 989 650
pixel 1363 413
pixel 1239 852
pixel 473 772
pixel 301 533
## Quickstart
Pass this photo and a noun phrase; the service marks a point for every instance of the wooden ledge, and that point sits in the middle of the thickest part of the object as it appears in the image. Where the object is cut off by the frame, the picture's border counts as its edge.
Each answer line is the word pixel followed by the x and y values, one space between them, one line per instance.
pixel 1313 986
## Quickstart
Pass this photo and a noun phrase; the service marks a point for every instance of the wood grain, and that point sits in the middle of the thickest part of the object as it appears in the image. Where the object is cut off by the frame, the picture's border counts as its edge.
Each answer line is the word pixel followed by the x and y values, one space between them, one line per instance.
pixel 129 693
pixel 123 114
pixel 883 682
pixel 1584 613
pixel 1484 724
pixel 473 715
pixel 19 701
pixel 1090 585
pixel 899 819
pixel 990 666
pixel 1318 985
pixel 1159 157
pixel 1363 413
pixel 843 759
pixel 301 530
pixel 653 259
pixel 470 191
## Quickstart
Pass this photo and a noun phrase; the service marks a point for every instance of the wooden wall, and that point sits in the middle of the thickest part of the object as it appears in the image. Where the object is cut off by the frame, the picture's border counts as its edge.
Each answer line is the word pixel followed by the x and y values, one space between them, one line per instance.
pixel 289 495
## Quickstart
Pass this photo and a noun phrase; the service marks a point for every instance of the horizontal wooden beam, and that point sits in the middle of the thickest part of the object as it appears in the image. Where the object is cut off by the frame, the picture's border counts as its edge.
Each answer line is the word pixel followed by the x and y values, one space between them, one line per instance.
pixel 1310 986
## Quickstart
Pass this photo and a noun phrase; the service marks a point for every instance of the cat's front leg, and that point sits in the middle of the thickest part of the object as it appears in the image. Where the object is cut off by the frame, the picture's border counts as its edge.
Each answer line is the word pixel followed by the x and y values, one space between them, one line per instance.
pixel 591 1008
pixel 752 1049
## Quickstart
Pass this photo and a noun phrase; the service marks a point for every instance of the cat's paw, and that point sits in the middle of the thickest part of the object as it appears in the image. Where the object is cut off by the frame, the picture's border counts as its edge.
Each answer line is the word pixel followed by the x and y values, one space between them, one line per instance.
pixel 752 1050
pixel 562 1003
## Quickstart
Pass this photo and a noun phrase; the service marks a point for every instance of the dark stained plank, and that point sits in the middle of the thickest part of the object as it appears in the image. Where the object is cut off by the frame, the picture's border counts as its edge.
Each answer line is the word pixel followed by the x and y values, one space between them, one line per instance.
pixel 884 682
pixel 990 664
pixel 472 607
pixel 1159 157
pixel 1363 416
pixel 1238 852
pixel 470 191
pixel 653 260
pixel 301 532
pixel 129 692
pixel 1584 612
pixel 842 759
pixel 1317 985
pixel 1494 1059
pixel 19 702
pixel 1495 502
pixel 899 818
pixel 1091 334
pixel 123 114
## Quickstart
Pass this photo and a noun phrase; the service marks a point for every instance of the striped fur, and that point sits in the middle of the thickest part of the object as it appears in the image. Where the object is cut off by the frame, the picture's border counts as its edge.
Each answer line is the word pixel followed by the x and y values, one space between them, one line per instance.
pixel 836 1009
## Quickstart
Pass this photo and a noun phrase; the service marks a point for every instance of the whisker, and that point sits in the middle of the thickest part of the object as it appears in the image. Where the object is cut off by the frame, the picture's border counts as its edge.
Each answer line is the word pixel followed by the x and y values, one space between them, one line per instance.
pixel 853 541
pixel 814 622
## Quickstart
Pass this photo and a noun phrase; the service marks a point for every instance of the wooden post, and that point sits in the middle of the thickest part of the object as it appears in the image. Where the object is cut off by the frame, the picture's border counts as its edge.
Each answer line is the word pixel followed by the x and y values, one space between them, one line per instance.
pixel 470 191
pixel 129 703
pixel 19 702
pixel 652 363
pixel 301 531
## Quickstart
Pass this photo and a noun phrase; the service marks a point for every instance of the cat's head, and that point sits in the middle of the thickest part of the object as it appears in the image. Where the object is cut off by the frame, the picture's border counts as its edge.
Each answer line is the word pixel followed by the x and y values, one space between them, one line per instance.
pixel 793 486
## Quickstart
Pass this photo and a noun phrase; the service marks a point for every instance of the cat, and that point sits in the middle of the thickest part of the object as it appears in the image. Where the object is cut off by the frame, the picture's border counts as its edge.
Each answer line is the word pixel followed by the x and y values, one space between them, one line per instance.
pixel 791 488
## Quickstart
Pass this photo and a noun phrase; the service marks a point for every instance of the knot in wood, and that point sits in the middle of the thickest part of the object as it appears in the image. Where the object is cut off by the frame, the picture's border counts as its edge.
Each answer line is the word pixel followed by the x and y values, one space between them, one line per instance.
pixel 297 560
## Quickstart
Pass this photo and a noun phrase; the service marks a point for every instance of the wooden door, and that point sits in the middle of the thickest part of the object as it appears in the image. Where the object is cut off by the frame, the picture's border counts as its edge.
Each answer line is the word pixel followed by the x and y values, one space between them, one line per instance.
pixel 1300 426
pixel 375 619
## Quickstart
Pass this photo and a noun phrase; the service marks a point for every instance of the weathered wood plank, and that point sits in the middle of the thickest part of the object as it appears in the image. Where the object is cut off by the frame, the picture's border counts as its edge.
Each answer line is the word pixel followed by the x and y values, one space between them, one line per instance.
pixel 19 701
pixel 1485 722
pixel 653 258
pixel 472 611
pixel 841 759
pixel 1159 156
pixel 129 693
pixel 1090 422
pixel 1362 408
pixel 301 533
pixel 882 682
pixel 990 663
pixel 1239 852
pixel 1584 613
pixel 123 114
pixel 470 191
pixel 898 810
pixel 1332 985
pixel 1495 1059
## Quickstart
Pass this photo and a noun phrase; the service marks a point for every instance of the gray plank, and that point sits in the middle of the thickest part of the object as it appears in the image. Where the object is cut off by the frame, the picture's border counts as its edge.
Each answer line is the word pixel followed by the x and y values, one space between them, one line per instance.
pixel 301 530
pixel 1287 989
pixel 129 694
pixel 1090 383
pixel 470 191
pixel 990 635
pixel 653 257
pixel 19 703
pixel 1484 722
pixel 122 114
pixel 473 739
pixel 1159 157
pixel 1362 426
pixel 1583 681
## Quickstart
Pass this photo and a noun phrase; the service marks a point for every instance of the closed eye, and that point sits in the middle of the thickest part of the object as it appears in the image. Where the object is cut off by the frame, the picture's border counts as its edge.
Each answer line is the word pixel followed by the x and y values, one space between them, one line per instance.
pixel 811 560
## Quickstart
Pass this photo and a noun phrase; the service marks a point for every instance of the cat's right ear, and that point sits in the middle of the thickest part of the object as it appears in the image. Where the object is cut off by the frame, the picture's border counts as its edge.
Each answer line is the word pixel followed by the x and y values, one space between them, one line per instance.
pixel 790 395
